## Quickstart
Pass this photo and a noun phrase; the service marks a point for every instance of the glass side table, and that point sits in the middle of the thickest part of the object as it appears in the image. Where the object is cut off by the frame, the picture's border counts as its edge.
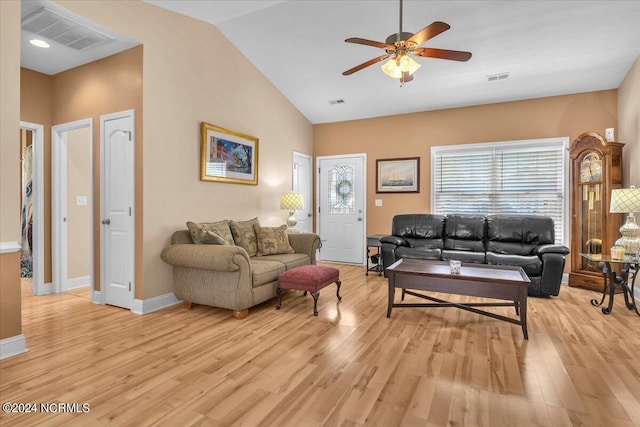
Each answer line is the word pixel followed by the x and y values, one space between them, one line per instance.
pixel 612 281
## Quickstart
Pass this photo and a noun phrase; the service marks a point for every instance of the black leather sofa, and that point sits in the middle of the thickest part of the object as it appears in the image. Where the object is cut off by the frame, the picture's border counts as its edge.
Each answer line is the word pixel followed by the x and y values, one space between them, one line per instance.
pixel 515 240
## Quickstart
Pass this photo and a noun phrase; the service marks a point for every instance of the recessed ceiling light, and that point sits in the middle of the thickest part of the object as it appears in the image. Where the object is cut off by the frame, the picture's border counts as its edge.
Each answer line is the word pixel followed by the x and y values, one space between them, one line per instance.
pixel 39 43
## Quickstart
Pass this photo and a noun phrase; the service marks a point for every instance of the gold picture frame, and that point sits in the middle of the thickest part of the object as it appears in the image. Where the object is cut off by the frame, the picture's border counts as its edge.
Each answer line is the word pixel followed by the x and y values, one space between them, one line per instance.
pixel 227 156
pixel 398 175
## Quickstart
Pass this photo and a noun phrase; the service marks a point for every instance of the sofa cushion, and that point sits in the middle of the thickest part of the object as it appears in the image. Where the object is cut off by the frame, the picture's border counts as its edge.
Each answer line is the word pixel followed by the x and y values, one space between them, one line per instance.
pixel 265 271
pixel 465 233
pixel 244 234
pixel 518 235
pixel 290 261
pixel 418 226
pixel 419 253
pixel 464 256
pixel 273 240
pixel 220 228
pixel 532 265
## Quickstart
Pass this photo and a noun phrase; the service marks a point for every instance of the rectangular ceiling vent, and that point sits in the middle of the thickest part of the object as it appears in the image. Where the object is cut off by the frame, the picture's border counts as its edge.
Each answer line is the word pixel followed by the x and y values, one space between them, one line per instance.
pixel 51 25
pixel 496 77
pixel 336 101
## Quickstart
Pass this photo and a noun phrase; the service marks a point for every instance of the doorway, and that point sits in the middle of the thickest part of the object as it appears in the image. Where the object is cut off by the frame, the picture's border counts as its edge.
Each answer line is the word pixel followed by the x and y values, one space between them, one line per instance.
pixel 72 205
pixel 33 183
pixel 303 183
pixel 341 208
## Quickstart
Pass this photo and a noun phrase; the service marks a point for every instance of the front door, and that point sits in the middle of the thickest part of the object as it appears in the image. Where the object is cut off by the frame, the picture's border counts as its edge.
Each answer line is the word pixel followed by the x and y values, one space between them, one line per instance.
pixel 341 195
pixel 303 183
pixel 117 208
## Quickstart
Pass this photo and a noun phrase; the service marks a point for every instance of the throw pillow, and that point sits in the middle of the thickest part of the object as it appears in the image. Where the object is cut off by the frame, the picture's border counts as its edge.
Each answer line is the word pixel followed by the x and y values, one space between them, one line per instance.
pixel 210 238
pixel 244 235
pixel 274 240
pixel 220 228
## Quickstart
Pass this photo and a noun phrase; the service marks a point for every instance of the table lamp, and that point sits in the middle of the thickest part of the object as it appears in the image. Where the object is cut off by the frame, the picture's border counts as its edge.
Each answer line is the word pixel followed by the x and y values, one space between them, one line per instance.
pixel 626 200
pixel 291 202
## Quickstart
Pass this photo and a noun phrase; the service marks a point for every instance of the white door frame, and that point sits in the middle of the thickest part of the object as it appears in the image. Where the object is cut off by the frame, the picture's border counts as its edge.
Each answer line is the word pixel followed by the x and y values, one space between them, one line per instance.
pixel 364 189
pixel 293 178
pixel 58 208
pixel 38 285
pixel 100 297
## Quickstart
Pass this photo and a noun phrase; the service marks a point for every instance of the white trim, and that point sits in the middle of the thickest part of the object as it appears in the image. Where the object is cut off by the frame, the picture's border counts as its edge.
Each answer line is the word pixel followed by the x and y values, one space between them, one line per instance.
pixel 77 282
pixel 154 304
pixel 38 205
pixel 58 209
pixel 97 298
pixel 12 346
pixel 9 247
pixel 364 196
pixel 565 279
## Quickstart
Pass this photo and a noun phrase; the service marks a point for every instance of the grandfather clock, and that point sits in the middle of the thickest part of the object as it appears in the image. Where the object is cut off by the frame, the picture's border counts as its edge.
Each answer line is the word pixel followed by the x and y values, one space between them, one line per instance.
pixel 595 169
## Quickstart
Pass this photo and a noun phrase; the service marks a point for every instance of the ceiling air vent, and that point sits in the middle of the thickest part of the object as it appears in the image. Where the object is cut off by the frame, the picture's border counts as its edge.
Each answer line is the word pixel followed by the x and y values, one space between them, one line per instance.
pixel 336 101
pixel 496 77
pixel 51 25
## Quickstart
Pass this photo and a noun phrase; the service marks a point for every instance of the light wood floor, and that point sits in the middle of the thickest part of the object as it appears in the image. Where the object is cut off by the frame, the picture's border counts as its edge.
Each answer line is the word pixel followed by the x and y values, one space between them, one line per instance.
pixel 349 366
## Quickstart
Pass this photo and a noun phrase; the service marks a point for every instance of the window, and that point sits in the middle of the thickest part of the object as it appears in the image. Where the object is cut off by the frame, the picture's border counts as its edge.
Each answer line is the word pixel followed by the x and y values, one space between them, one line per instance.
pixel 514 177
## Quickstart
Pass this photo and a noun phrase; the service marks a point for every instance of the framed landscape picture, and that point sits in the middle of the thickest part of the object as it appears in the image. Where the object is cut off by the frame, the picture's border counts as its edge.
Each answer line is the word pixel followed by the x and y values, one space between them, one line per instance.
pixel 228 156
pixel 398 175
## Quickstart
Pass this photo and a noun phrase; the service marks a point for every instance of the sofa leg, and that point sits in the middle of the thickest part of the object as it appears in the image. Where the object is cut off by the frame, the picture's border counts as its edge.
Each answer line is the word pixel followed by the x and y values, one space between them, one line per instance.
pixel 187 304
pixel 240 314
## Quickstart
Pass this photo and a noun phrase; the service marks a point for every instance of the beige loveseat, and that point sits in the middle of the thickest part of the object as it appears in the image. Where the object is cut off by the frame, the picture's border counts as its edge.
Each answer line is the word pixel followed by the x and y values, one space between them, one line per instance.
pixel 226 276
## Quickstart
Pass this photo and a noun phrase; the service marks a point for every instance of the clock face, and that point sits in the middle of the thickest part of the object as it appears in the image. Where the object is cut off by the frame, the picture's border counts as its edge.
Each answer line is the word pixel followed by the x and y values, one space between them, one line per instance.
pixel 591 168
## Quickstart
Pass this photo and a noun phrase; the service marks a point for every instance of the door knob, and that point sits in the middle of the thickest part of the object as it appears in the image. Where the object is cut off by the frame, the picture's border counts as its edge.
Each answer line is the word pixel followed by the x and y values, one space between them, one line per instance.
pixel 106 221
pixel 309 215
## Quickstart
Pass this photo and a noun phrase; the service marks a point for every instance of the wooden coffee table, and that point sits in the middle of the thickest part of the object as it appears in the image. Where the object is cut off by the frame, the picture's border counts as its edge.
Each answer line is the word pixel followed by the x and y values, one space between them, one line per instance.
pixel 478 280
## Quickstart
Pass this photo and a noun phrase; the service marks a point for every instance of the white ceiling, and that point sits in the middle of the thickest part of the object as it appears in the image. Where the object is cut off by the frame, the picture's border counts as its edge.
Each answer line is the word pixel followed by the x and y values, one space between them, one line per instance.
pixel 547 47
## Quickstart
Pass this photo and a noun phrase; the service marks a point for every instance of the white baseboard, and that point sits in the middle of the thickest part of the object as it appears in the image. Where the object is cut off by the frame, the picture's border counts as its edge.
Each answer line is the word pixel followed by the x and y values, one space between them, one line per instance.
pixel 565 279
pixel 44 289
pixel 96 297
pixel 154 304
pixel 12 346
pixel 77 282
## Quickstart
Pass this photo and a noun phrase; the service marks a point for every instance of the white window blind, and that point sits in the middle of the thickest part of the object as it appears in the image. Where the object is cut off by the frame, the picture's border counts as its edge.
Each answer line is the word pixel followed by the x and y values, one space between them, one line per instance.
pixel 514 177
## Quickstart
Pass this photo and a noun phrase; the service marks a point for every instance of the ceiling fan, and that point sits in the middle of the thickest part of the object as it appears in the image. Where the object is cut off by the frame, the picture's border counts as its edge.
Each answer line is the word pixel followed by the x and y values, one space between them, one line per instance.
pixel 398 46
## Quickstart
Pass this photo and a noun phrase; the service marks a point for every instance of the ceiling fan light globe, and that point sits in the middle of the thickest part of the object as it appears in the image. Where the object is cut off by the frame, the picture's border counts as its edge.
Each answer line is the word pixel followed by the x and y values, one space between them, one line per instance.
pixel 391 69
pixel 408 65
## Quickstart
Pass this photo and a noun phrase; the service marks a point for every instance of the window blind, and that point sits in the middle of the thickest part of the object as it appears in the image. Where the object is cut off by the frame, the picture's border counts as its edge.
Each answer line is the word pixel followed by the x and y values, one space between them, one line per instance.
pixel 515 177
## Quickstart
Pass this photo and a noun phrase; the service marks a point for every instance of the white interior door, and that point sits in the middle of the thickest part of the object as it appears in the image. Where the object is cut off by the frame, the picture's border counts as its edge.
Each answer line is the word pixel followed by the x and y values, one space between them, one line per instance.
pixel 117 229
pixel 303 183
pixel 341 215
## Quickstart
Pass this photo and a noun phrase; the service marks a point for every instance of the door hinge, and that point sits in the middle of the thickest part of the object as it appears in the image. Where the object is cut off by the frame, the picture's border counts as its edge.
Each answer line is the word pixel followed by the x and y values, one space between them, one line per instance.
pixel 129 286
pixel 129 210
pixel 129 132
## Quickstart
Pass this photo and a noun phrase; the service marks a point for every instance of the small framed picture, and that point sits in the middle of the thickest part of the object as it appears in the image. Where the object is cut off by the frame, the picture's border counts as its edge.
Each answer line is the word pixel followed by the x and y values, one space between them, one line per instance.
pixel 228 156
pixel 398 175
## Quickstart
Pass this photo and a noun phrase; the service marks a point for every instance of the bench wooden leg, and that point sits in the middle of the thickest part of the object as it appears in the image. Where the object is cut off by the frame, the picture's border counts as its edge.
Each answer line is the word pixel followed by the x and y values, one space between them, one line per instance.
pixel 279 293
pixel 315 296
pixel 240 314
pixel 338 282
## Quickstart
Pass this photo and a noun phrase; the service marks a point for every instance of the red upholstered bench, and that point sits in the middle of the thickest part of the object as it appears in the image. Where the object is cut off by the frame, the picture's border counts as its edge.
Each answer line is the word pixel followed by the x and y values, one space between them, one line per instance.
pixel 310 278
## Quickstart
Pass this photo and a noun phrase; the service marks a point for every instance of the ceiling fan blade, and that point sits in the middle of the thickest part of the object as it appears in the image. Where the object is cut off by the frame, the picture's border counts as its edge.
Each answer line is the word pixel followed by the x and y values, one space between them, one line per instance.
pixel 428 32
pixel 366 64
pixel 373 43
pixel 454 55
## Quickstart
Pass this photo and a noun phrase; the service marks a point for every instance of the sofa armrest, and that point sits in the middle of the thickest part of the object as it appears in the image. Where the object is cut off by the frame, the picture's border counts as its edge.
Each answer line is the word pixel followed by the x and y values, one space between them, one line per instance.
pixel 551 249
pixel 305 243
pixel 205 257
pixel 394 240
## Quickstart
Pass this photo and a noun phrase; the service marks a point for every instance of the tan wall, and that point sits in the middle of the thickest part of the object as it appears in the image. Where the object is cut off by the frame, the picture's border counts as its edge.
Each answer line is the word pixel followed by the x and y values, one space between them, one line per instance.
pixel 10 320
pixel 36 103
pixel 78 216
pixel 194 75
pixel 413 135
pixel 629 125
pixel 106 86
